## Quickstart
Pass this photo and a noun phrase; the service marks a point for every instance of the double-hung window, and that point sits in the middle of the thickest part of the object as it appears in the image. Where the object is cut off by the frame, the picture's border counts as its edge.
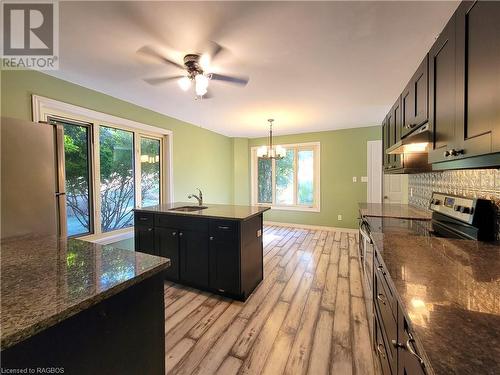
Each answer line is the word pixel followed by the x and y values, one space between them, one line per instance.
pixel 288 183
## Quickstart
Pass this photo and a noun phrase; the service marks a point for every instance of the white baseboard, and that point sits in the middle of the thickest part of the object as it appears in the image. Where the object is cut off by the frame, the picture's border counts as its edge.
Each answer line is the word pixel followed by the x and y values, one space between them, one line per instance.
pixel 312 227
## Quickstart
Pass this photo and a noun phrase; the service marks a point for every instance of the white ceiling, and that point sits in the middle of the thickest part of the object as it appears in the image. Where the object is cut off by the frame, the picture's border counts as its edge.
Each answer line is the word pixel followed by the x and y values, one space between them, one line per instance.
pixel 312 66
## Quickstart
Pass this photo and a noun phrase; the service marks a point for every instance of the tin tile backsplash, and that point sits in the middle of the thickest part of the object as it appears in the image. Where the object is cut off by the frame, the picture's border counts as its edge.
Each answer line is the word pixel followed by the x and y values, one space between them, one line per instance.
pixel 476 183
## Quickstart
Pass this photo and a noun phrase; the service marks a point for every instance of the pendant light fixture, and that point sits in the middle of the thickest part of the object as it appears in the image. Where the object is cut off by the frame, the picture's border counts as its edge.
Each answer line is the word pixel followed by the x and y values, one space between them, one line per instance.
pixel 270 151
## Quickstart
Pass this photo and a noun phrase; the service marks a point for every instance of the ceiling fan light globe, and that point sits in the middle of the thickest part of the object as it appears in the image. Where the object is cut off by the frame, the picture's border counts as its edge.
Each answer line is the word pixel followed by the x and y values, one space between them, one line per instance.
pixel 184 83
pixel 205 61
pixel 201 81
pixel 200 91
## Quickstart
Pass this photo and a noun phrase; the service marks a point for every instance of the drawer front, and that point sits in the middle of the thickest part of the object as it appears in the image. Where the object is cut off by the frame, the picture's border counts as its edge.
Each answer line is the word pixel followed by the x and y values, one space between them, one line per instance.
pixel 182 222
pixel 381 350
pixel 383 275
pixel 144 218
pixel 224 229
pixel 387 321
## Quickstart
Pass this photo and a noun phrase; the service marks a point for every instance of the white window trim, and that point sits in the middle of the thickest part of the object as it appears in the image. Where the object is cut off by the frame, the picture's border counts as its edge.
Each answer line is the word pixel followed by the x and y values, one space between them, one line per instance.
pixel 43 107
pixel 317 179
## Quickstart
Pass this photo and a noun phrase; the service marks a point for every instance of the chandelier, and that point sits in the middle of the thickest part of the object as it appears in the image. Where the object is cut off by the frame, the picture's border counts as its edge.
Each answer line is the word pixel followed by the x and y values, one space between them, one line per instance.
pixel 270 151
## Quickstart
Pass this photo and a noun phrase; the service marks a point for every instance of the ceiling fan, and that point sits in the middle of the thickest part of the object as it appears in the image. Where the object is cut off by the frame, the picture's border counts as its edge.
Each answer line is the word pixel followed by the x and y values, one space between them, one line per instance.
pixel 197 70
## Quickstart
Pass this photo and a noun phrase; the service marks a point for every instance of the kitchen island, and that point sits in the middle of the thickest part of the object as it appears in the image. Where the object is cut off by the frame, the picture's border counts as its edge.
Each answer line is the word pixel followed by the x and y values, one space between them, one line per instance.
pixel 80 308
pixel 212 247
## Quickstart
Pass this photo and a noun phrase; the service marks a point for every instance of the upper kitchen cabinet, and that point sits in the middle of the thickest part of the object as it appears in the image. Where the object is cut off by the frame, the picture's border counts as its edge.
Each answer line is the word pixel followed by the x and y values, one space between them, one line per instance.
pixel 442 91
pixel 478 78
pixel 415 100
pixel 464 79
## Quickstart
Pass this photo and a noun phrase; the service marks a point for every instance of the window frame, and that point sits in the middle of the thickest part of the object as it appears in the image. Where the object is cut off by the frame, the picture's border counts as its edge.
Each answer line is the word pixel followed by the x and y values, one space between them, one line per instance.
pixel 45 108
pixel 316 206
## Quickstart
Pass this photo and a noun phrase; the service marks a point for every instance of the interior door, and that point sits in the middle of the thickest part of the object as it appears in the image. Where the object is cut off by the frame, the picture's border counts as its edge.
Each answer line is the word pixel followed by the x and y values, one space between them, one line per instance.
pixel 374 163
pixel 396 188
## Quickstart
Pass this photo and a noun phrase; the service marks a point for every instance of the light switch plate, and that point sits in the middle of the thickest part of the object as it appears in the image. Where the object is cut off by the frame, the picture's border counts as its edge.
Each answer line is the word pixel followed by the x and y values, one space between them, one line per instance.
pixel 354 179
pixel 364 179
pixel 339 217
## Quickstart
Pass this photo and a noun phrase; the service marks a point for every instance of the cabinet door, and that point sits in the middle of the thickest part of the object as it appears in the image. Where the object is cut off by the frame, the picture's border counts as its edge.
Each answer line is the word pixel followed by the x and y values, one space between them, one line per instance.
pixel 385 140
pixel 167 245
pixel 193 257
pixel 415 100
pixel 224 265
pixel 396 113
pixel 478 78
pixel 442 93
pixel 144 240
pixel 409 360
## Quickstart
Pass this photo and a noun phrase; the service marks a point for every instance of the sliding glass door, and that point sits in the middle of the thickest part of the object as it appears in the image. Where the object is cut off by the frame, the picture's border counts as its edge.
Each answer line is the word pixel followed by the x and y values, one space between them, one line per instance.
pixel 77 176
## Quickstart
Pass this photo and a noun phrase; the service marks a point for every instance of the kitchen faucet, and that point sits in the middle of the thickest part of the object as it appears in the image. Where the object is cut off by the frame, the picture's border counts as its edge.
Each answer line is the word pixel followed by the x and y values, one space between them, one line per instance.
pixel 199 197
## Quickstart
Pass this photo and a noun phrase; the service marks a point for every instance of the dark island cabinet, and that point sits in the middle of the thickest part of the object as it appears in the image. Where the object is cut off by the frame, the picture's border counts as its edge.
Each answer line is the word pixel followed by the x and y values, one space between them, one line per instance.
pixel 193 248
pixel 415 100
pixel 167 245
pixel 219 255
pixel 478 78
pixel 145 234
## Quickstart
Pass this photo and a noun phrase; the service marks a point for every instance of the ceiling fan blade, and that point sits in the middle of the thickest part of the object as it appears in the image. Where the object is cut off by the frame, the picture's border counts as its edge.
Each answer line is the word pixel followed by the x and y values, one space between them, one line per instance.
pixel 160 80
pixel 147 50
pixel 216 49
pixel 231 79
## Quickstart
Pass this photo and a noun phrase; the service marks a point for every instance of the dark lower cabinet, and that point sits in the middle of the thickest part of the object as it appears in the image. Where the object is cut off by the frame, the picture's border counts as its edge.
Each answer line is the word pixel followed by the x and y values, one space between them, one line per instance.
pixel 224 266
pixel 123 334
pixel 167 246
pixel 222 256
pixel 144 240
pixel 193 249
pixel 410 362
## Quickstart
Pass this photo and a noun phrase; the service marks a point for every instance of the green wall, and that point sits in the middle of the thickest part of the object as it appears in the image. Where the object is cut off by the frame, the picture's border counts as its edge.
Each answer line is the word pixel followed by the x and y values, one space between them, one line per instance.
pixel 201 158
pixel 241 171
pixel 343 156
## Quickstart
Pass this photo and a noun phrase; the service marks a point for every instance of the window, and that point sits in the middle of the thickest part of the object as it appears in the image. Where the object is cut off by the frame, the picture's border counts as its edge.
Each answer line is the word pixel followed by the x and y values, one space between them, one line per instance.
pixel 150 171
pixel 116 157
pixel 288 183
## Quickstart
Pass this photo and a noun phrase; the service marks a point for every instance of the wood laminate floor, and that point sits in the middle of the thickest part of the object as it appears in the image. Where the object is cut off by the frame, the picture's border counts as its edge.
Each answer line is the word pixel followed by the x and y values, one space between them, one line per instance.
pixel 307 316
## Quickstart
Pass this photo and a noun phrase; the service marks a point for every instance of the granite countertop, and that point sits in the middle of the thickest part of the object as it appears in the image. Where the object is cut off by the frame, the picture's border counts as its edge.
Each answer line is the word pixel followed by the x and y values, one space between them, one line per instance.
pixel 450 290
pixel 216 211
pixel 403 211
pixel 45 280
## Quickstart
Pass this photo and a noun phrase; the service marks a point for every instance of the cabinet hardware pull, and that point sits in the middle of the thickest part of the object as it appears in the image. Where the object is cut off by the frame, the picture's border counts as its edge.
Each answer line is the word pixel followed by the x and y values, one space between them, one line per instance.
pixel 412 351
pixel 447 153
pixel 456 152
pixel 181 234
pixel 150 229
pixel 379 348
pixel 143 218
pixel 211 238
pixel 174 233
pixel 397 344
pixel 379 297
pixel 223 227
pixel 381 270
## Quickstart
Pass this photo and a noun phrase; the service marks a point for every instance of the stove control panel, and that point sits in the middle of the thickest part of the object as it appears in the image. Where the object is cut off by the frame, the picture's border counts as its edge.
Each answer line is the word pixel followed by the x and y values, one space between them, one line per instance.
pixel 460 208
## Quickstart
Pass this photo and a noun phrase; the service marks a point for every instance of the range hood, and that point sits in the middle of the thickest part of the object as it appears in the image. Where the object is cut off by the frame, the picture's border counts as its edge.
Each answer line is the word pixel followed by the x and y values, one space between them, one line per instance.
pixel 416 142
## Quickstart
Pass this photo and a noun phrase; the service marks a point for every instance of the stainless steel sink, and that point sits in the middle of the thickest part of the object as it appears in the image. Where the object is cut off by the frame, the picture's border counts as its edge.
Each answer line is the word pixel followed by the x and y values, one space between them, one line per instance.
pixel 188 208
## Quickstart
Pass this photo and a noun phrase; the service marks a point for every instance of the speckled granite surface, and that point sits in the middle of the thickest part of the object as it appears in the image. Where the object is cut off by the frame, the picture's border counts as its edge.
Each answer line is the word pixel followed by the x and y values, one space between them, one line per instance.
pixel 216 211
pixel 45 280
pixel 451 292
pixel 402 211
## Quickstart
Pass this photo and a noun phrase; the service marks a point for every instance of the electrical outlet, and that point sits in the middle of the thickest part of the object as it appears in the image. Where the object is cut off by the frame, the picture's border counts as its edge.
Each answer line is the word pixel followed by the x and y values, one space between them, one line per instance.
pixel 354 179
pixel 411 192
pixel 339 217
pixel 364 179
